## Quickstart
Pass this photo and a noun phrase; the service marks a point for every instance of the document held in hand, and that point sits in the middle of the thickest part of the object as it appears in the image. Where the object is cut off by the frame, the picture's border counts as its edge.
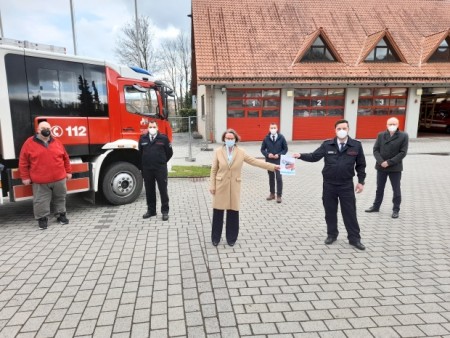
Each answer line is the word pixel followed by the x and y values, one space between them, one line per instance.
pixel 287 165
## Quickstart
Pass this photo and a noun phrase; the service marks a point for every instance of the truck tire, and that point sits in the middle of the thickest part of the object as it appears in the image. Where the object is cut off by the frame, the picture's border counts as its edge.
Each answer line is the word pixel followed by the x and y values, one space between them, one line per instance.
pixel 122 183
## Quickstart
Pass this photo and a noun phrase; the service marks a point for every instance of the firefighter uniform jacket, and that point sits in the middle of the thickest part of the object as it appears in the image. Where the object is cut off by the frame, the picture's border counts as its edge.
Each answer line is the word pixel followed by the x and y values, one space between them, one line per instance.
pixel 340 166
pixel 154 154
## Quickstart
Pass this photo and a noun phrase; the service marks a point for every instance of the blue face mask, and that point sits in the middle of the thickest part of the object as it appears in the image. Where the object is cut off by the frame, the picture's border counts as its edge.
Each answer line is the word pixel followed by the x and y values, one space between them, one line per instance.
pixel 229 143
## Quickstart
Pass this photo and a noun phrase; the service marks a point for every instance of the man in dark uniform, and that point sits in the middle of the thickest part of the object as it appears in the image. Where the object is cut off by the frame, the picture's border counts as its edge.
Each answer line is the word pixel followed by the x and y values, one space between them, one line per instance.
pixel 272 147
pixel 155 150
pixel 343 155
pixel 389 150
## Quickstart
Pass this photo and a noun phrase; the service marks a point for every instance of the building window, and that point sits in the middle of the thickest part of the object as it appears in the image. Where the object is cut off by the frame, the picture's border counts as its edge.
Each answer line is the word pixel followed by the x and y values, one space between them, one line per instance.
pixel 442 53
pixel 319 102
pixel 382 101
pixel 202 104
pixel 382 53
pixel 253 103
pixel 319 51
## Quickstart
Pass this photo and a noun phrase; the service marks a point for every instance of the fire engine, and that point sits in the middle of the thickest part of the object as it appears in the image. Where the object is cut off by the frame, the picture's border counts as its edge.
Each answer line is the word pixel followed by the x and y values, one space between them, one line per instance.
pixel 97 109
pixel 435 114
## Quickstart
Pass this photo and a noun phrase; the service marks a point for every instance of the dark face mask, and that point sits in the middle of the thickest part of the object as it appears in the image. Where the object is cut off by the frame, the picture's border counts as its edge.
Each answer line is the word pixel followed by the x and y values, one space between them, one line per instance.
pixel 45 132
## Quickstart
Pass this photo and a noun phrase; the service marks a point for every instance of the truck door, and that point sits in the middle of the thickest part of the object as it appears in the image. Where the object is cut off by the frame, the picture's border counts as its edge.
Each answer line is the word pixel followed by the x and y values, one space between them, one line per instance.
pixel 139 104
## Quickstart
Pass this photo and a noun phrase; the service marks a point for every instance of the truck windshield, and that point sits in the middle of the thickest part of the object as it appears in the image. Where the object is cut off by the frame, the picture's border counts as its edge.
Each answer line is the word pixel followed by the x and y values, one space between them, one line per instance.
pixel 142 102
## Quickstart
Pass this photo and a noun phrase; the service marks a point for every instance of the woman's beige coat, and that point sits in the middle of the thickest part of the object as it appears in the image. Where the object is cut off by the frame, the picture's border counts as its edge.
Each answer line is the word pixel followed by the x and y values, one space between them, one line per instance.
pixel 226 179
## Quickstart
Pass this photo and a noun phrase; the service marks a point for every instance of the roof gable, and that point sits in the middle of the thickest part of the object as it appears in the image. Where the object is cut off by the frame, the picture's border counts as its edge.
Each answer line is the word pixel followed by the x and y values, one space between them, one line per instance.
pixel 372 42
pixel 309 41
pixel 432 42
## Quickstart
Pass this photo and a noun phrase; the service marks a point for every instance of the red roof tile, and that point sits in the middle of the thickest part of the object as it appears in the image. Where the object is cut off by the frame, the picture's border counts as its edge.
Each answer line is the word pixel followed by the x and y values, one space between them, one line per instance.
pixel 256 41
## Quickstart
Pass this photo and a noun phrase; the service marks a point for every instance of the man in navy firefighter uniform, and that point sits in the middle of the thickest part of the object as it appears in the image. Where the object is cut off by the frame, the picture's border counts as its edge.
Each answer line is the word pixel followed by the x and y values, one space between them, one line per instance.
pixel 155 151
pixel 343 156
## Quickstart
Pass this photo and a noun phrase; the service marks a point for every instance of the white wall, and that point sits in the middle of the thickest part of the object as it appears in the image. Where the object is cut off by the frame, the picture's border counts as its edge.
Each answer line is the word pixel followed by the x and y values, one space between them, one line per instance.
pixel 412 113
pixel 220 110
pixel 351 109
pixel 287 114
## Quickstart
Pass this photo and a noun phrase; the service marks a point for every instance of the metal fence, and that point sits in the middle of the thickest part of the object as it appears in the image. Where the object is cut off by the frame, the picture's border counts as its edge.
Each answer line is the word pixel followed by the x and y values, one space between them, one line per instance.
pixel 186 138
pixel 181 124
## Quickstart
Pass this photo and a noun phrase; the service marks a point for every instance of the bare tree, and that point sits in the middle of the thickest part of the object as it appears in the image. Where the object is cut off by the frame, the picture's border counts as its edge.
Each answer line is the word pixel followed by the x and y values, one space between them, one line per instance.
pixel 135 45
pixel 175 60
pixel 184 47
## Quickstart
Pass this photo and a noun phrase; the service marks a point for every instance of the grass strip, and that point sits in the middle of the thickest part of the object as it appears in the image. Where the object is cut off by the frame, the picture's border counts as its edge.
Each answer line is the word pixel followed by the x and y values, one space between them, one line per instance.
pixel 190 171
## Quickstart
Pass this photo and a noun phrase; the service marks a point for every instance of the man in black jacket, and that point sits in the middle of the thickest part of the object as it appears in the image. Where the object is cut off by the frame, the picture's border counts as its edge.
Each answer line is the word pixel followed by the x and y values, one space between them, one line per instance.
pixel 272 147
pixel 389 150
pixel 155 150
pixel 343 155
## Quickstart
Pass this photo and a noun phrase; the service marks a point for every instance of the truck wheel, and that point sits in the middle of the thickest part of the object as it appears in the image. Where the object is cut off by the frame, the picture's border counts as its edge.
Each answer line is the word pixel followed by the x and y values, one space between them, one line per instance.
pixel 447 130
pixel 122 183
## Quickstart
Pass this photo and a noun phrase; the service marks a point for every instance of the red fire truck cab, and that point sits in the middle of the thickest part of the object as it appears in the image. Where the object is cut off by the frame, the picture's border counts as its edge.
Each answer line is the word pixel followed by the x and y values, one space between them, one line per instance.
pixel 98 110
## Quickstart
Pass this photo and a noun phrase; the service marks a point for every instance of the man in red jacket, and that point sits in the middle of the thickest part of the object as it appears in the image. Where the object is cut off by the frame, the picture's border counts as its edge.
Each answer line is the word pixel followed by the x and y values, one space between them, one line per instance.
pixel 44 163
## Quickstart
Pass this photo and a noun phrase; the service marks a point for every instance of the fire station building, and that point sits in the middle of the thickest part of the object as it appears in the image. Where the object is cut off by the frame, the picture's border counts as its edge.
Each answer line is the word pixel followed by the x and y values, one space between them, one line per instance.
pixel 304 64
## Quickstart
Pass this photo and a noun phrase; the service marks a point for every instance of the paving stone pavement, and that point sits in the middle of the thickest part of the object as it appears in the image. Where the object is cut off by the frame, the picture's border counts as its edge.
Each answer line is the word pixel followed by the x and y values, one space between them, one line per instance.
pixel 109 273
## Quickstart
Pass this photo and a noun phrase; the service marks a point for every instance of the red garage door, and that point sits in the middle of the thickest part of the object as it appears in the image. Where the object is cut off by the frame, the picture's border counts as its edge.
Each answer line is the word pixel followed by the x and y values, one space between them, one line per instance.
pixel 316 111
pixel 251 111
pixel 376 106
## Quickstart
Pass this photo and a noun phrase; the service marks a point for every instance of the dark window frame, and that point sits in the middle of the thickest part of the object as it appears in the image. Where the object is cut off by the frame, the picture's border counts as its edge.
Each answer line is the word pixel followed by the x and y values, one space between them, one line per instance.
pixel 318 52
pixel 254 100
pixel 390 55
pixel 375 109
pixel 312 109
pixel 435 58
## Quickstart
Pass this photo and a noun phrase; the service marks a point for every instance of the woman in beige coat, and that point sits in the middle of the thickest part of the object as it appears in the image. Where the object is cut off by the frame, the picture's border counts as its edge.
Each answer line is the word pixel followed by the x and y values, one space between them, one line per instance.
pixel 225 185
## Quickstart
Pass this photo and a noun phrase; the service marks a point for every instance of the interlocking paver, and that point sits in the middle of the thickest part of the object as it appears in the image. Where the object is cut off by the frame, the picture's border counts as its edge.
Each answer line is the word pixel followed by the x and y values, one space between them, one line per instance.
pixel 135 278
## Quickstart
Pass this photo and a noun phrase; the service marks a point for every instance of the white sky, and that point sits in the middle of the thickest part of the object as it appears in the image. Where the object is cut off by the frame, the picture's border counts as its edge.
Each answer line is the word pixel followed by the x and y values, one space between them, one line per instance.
pixel 97 22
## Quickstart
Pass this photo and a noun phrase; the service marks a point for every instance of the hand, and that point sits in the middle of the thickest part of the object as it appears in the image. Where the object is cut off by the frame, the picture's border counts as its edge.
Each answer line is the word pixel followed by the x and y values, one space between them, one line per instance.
pixel 385 164
pixel 277 167
pixel 359 188
pixel 296 155
pixel 271 155
pixel 276 156
pixel 212 191
pixel 26 182
pixel 69 176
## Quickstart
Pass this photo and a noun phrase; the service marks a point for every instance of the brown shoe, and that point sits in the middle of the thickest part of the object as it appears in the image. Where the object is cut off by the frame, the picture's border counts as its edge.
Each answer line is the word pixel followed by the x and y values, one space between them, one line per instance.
pixel 278 199
pixel 271 197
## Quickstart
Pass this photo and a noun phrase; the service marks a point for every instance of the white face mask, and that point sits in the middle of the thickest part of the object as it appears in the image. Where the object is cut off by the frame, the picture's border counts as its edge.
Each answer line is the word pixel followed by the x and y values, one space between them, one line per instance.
pixel 152 131
pixel 273 131
pixel 392 128
pixel 342 133
pixel 230 143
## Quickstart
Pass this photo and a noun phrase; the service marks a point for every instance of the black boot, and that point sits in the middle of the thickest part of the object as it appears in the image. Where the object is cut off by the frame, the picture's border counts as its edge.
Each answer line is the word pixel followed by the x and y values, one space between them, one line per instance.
pixel 148 214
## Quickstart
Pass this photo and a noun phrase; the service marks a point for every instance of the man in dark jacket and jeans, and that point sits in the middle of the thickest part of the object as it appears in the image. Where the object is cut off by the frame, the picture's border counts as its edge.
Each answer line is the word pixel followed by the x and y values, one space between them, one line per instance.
pixel 155 151
pixel 389 150
pixel 272 147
